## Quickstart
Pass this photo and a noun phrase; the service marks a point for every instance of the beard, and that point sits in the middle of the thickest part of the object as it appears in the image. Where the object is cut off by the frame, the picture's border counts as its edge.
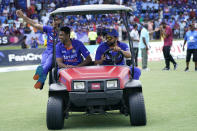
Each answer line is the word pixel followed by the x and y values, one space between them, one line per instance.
pixel 110 43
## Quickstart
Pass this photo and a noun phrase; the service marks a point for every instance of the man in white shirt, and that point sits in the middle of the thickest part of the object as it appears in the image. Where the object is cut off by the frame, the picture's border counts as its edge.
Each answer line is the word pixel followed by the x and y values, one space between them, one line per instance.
pixel 135 37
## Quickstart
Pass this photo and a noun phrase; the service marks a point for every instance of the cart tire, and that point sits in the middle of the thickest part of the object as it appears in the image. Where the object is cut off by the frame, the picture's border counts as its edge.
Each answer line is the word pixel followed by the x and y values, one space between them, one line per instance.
pixel 137 109
pixel 55 117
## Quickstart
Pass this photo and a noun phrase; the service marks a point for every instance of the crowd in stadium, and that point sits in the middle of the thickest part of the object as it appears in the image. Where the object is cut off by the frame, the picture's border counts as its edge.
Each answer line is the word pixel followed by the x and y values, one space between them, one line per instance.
pixel 176 13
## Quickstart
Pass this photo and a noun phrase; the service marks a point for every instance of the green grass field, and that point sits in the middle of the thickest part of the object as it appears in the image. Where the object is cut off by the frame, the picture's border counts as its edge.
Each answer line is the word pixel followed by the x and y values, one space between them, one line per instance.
pixel 170 99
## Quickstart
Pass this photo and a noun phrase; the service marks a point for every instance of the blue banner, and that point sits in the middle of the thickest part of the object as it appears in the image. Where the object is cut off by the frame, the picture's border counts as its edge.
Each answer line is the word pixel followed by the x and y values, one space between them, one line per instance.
pixel 22 4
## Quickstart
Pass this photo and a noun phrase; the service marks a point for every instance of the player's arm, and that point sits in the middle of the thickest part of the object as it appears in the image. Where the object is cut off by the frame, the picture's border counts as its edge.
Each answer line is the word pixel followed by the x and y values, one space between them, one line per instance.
pixel 29 21
pixel 99 57
pixel 59 57
pixel 126 53
pixel 84 51
pixel 99 62
pixel 184 45
pixel 185 40
pixel 132 36
pixel 144 41
pixel 162 31
pixel 60 63
pixel 85 62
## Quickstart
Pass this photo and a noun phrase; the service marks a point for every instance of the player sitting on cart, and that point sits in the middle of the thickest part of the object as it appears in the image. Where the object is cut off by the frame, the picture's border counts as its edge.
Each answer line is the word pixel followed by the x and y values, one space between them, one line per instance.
pixel 69 52
pixel 113 52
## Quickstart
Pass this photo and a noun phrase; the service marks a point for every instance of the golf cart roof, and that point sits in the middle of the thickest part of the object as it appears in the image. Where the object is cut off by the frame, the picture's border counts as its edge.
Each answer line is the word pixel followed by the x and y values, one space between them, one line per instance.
pixel 91 9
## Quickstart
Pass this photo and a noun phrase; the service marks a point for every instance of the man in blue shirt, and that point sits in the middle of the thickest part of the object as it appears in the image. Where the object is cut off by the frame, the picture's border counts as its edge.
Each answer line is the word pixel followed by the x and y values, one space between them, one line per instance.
pixel 46 62
pixel 113 43
pixel 69 52
pixel 144 46
pixel 191 39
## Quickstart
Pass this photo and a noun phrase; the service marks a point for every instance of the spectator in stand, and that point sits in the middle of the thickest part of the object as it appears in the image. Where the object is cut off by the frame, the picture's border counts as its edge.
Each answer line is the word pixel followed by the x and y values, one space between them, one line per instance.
pixel 176 30
pixel 13 9
pixel 21 28
pixel 182 28
pixel 38 6
pixel 27 30
pixel 191 39
pixel 44 19
pixel 167 34
pixel 7 31
pixel 10 21
pixel 1 30
pixel 157 33
pixel 6 10
pixel 46 62
pixel 34 42
pixel 150 29
pixel 192 14
pixel 23 43
pixel 3 18
pixel 14 30
pixel 142 9
pixel 135 37
pixel 160 13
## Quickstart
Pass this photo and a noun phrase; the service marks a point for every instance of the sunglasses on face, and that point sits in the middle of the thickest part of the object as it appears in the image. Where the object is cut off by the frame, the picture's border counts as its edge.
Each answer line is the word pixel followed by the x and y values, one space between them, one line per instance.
pixel 109 38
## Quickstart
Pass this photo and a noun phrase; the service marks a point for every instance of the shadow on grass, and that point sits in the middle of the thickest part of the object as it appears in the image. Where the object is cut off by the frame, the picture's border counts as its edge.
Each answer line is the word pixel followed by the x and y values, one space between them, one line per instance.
pixel 97 121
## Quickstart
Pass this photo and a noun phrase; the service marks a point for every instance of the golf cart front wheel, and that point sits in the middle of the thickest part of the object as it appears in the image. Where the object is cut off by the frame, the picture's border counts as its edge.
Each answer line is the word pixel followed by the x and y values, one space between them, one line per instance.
pixel 55 117
pixel 137 109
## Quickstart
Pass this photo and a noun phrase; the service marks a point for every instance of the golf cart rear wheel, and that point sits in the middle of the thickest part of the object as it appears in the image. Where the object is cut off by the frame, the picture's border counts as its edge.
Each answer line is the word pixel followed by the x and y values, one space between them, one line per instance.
pixel 55 117
pixel 137 109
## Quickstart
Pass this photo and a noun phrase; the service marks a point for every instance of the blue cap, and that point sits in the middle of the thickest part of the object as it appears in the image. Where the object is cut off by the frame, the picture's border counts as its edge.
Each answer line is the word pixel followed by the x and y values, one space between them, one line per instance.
pixel 58 17
pixel 112 32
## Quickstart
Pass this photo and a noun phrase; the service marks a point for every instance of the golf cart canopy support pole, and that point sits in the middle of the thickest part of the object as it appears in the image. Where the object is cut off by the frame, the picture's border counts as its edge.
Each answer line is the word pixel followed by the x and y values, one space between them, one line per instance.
pixel 125 21
pixel 53 73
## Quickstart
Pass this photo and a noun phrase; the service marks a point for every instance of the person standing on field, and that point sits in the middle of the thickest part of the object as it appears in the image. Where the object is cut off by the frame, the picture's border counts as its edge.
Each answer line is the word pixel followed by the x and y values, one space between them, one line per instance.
pixel 167 34
pixel 135 37
pixel 191 39
pixel 144 46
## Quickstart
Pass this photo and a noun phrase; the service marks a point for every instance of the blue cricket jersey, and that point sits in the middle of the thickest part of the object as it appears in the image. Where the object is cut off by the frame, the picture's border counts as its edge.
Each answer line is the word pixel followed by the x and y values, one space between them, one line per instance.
pixel 191 38
pixel 72 56
pixel 104 46
pixel 51 34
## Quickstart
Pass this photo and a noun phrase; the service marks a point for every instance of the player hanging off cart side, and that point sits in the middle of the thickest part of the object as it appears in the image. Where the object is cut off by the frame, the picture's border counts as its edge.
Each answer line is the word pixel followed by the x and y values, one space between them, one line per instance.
pixel 46 62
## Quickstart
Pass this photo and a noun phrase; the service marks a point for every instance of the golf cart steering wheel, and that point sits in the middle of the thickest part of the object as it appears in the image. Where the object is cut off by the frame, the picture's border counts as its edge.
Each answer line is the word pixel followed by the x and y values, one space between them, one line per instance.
pixel 112 60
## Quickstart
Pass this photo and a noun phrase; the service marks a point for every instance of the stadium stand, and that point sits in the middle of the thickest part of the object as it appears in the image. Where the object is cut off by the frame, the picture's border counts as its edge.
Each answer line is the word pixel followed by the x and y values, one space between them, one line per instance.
pixel 176 13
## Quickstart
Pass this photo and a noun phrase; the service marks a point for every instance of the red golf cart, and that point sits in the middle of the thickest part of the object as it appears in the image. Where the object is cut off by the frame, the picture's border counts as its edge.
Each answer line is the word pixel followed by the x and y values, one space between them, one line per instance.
pixel 95 89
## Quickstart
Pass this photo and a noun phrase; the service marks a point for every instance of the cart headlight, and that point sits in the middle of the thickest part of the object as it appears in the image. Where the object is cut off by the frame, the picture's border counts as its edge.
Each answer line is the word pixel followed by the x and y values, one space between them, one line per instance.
pixel 79 85
pixel 112 84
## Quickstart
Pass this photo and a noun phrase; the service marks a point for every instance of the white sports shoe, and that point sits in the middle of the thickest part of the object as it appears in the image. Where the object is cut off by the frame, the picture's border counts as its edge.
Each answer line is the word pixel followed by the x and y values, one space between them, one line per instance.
pixel 146 69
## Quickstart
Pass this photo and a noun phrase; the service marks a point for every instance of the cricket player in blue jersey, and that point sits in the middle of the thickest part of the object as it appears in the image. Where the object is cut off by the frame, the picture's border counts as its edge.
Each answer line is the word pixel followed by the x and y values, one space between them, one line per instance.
pixel 191 39
pixel 46 62
pixel 69 52
pixel 113 43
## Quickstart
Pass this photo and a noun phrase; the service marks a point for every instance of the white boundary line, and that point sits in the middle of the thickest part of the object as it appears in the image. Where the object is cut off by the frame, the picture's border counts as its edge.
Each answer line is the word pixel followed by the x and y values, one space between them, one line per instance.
pixel 18 68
